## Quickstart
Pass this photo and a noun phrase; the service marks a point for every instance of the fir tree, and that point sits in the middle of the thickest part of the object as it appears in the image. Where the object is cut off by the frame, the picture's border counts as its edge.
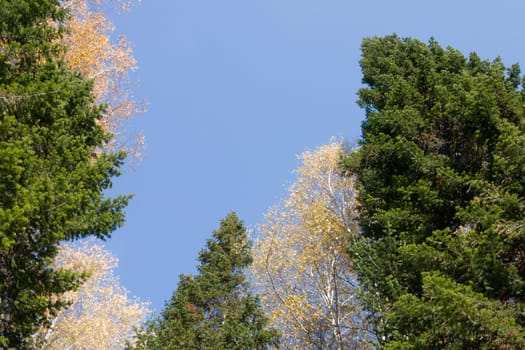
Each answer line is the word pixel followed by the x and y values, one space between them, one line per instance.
pixel 52 178
pixel 442 190
pixel 214 309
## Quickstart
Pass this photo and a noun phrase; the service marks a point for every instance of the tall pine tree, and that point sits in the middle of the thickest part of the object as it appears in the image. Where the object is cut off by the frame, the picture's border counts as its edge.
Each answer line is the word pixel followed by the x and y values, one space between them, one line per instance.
pixel 442 190
pixel 214 310
pixel 52 174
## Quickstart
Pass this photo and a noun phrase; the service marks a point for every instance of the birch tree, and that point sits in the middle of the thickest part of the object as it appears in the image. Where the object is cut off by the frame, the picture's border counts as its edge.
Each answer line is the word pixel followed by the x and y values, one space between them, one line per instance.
pixel 300 261
pixel 101 315
pixel 93 51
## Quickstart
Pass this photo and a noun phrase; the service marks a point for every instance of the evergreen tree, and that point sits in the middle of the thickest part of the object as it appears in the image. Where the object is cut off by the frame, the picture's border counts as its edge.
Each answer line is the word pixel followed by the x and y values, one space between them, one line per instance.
pixel 214 309
pixel 442 190
pixel 52 176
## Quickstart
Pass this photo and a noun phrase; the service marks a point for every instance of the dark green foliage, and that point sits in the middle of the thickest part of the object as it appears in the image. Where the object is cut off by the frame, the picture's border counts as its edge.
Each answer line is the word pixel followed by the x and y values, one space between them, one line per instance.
pixel 52 177
pixel 442 183
pixel 214 309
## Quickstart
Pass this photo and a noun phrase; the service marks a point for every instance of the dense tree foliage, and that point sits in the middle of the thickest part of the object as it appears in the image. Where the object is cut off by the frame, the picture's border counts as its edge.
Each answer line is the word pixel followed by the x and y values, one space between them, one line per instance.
pixel 438 244
pixel 214 309
pixel 52 177
pixel 442 185
pixel 301 267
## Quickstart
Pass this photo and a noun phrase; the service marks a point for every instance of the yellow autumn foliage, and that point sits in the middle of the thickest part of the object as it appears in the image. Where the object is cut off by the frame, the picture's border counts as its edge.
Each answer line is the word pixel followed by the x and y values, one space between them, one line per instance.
pixel 92 51
pixel 301 266
pixel 101 315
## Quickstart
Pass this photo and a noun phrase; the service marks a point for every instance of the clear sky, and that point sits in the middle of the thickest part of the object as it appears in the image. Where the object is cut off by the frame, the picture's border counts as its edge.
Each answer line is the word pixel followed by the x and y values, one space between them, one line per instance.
pixel 238 88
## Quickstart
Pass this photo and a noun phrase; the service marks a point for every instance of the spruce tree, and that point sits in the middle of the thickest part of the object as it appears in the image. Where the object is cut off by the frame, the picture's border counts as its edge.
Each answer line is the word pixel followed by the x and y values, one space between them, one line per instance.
pixel 442 190
pixel 52 172
pixel 214 309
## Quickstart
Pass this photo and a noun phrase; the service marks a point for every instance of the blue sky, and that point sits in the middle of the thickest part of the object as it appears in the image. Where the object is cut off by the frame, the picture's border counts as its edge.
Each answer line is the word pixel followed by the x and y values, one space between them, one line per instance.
pixel 238 88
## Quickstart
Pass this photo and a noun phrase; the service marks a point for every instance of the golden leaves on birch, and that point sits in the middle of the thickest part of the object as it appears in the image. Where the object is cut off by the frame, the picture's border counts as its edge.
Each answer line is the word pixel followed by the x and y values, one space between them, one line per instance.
pixel 93 52
pixel 300 261
pixel 101 315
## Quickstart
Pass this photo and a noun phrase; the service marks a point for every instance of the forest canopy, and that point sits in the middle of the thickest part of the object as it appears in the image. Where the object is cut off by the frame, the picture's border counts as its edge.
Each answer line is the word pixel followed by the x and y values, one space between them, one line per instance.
pixel 414 239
